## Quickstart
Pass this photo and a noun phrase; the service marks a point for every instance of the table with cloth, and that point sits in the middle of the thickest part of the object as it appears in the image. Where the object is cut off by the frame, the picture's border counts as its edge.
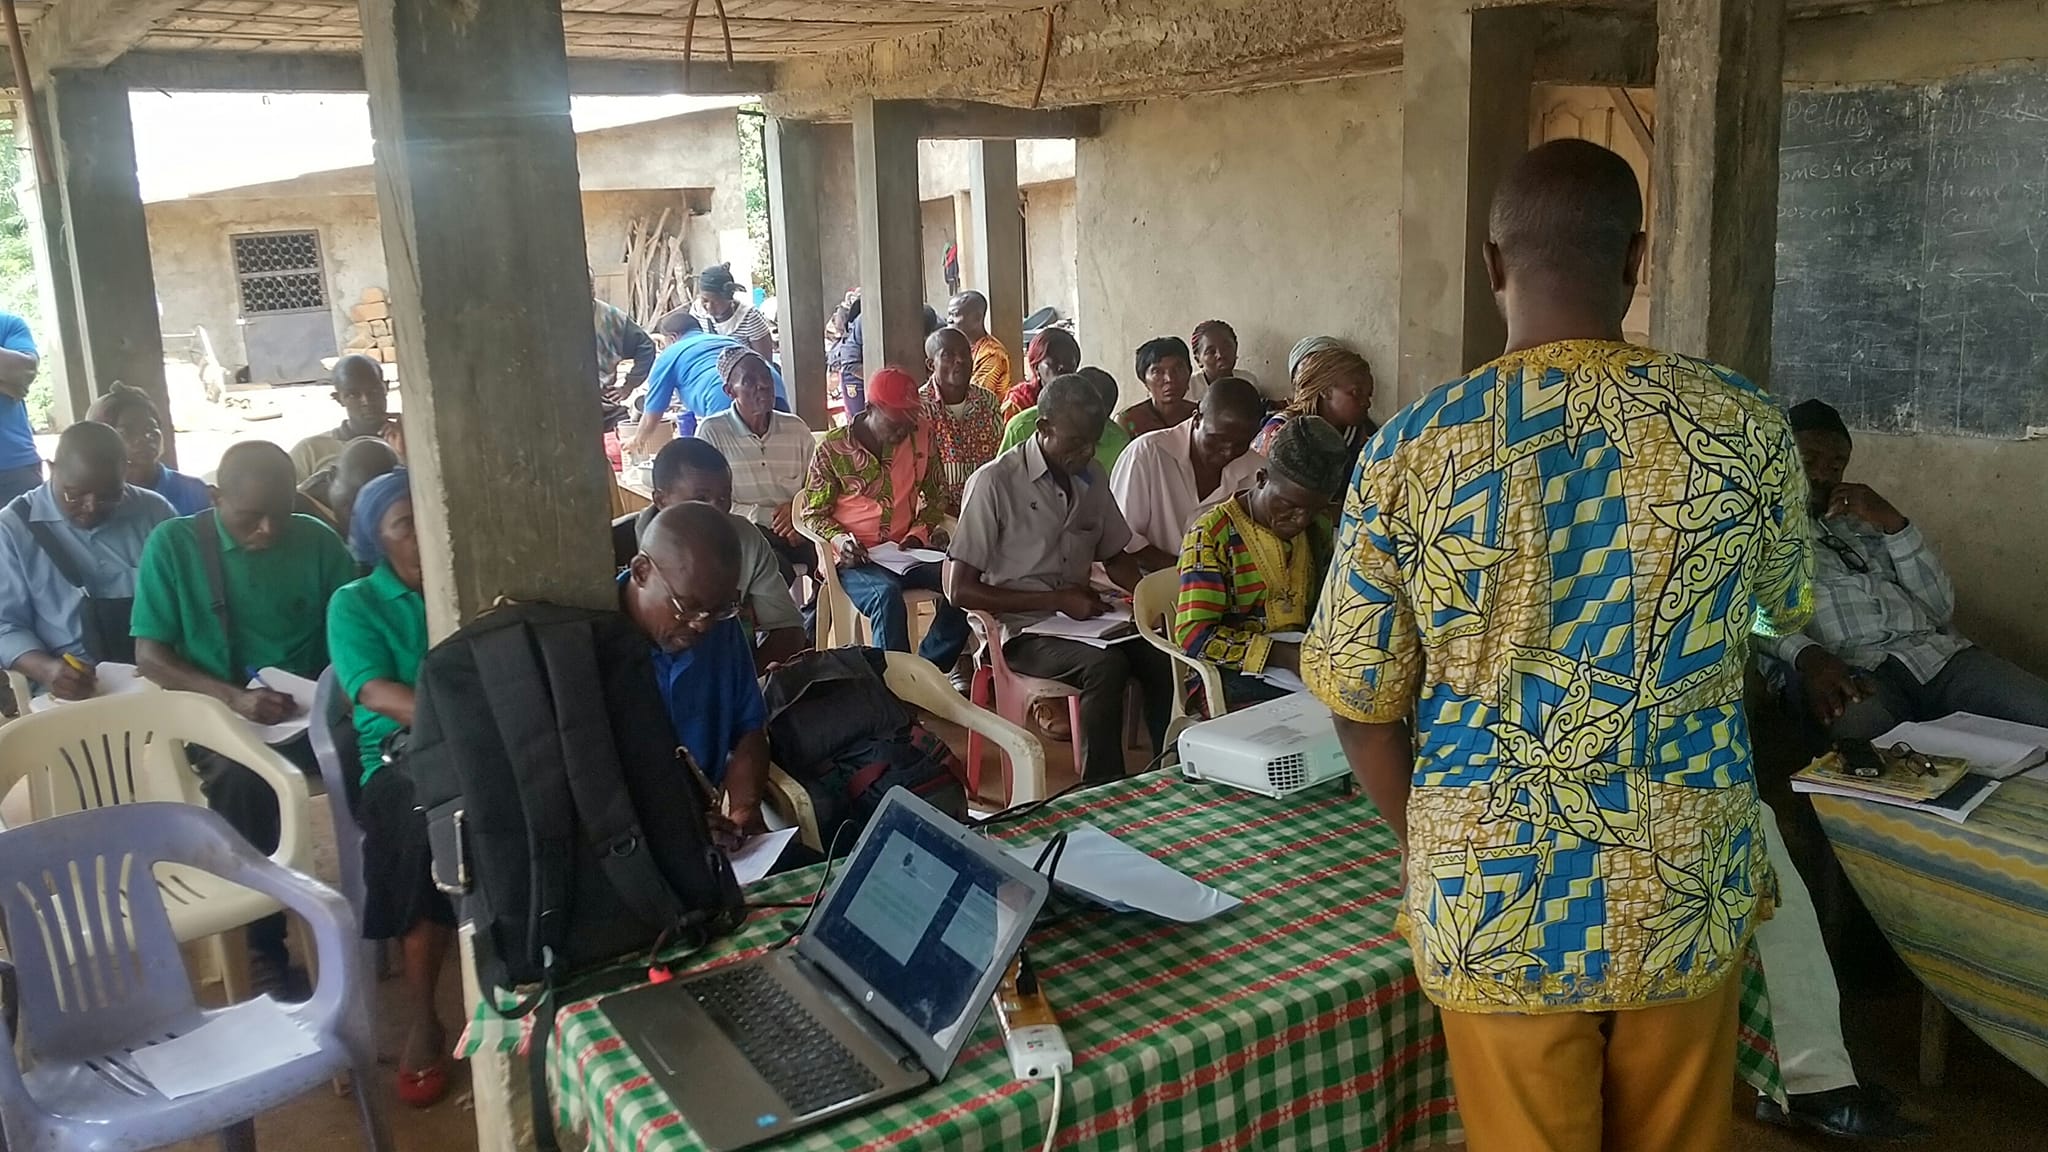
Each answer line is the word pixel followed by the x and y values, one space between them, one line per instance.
pixel 1965 905
pixel 1294 1020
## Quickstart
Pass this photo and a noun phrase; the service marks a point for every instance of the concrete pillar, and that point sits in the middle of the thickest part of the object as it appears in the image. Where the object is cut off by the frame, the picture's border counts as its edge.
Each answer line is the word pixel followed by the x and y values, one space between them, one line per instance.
pixel 483 238
pixel 793 192
pixel 999 240
pixel 113 285
pixel 1465 79
pixel 890 218
pixel 42 210
pixel 1720 69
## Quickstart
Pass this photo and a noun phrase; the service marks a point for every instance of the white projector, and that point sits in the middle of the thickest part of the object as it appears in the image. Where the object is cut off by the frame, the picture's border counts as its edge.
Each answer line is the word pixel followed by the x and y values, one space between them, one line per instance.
pixel 1275 749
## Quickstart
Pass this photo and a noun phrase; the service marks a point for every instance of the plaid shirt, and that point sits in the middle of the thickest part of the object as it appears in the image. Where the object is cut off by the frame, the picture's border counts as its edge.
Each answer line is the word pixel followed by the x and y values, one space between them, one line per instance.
pixel 966 441
pixel 1877 596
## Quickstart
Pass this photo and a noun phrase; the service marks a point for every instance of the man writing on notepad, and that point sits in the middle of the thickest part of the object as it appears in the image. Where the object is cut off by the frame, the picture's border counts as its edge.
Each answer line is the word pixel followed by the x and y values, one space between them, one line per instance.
pixel 68 553
pixel 1033 521
pixel 240 587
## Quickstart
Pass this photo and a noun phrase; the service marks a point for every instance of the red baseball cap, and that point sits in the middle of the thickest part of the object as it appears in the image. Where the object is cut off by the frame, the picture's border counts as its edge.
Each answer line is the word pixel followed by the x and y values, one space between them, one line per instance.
pixel 895 390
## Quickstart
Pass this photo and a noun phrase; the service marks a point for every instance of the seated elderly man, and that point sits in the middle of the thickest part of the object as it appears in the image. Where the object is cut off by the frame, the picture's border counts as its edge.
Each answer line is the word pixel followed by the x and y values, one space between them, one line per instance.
pixel 69 549
pixel 1032 524
pixel 240 587
pixel 877 480
pixel 1167 478
pixel 1883 647
pixel 1252 566
pixel 770 451
pixel 692 471
pixel 680 590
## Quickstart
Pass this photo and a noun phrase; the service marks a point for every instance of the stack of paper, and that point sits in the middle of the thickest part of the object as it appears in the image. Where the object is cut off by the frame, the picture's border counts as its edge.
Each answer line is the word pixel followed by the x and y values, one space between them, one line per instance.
pixel 1123 879
pixel 300 690
pixel 900 560
pixel 1101 631
pixel 1999 749
pixel 1280 677
pixel 114 680
pixel 1952 792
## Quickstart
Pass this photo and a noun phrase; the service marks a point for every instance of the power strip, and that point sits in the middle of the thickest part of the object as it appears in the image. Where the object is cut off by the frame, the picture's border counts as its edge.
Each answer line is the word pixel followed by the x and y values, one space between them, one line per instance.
pixel 1031 1030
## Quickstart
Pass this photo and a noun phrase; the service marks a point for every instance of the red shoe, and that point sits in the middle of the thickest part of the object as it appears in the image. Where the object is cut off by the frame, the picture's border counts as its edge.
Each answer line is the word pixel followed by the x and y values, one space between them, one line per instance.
pixel 423 1088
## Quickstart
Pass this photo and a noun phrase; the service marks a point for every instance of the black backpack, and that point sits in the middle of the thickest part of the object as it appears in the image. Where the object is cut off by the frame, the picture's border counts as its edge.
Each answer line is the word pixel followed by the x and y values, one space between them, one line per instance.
pixel 837 729
pixel 560 812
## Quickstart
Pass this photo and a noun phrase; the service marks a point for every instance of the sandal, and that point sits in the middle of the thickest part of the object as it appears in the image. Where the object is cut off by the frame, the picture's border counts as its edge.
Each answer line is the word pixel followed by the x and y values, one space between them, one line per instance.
pixel 425 1087
pixel 1050 718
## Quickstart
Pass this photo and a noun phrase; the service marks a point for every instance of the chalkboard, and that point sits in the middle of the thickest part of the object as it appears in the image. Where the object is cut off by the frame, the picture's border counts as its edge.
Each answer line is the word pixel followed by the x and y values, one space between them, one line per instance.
pixel 1912 255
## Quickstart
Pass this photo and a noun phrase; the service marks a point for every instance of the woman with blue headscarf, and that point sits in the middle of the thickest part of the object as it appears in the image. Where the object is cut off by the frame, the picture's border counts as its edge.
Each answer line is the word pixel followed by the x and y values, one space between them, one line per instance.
pixel 377 636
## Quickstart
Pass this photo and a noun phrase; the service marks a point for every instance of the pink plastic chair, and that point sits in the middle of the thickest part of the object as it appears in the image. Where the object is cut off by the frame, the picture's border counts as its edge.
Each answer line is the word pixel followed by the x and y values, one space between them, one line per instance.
pixel 1010 695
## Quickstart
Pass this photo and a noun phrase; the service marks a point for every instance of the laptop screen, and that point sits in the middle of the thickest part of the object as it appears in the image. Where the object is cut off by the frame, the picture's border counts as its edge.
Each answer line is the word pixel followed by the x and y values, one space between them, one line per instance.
pixel 922 923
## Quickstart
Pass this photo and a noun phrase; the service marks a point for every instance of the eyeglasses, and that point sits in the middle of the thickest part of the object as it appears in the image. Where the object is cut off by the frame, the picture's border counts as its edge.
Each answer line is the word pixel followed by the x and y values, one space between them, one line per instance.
pixel 693 617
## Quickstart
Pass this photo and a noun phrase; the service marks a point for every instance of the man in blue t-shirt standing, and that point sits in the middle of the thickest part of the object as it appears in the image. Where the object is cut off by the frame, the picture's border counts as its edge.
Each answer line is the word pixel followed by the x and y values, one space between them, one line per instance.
pixel 20 467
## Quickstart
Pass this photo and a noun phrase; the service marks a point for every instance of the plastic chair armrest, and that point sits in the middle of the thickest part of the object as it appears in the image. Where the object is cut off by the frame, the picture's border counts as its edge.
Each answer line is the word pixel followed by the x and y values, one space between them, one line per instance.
pixel 915 682
pixel 324 910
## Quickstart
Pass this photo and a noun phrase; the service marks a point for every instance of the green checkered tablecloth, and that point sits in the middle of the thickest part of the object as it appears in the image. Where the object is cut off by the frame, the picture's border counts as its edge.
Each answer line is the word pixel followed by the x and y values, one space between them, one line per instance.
pixel 1293 1021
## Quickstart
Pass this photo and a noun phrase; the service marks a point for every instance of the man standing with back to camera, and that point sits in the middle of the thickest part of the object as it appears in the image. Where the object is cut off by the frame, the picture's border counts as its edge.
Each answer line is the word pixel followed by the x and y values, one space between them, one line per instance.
pixel 1533 637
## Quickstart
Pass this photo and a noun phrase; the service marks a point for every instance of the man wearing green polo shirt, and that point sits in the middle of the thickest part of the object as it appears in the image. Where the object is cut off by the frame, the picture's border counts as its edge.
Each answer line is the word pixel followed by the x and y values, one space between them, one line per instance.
pixel 278 571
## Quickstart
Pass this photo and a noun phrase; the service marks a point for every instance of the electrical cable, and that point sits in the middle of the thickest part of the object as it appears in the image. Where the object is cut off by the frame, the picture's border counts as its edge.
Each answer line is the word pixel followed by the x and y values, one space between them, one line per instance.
pixel 1052 1124
pixel 831 854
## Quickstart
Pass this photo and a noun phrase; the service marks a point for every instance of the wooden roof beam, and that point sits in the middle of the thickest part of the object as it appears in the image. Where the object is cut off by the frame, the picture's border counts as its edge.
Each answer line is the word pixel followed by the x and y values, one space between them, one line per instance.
pixel 343 72
pixel 968 120
pixel 92 33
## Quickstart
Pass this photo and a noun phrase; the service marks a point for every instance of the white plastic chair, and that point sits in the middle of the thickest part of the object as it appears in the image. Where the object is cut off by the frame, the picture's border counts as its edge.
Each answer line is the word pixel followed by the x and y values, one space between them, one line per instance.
pixel 1152 608
pixel 839 623
pixel 130 748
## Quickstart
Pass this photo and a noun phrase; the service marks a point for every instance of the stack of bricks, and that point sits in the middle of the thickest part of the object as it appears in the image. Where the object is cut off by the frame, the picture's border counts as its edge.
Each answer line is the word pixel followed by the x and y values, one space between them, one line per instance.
pixel 372 336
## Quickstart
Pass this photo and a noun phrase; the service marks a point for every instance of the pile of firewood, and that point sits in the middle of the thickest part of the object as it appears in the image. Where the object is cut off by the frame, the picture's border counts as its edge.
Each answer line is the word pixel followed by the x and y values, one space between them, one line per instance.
pixel 659 279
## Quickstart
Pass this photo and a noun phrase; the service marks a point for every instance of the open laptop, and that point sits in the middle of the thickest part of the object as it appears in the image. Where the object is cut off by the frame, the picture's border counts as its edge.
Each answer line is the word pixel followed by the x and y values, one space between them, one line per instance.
pixel 874 1003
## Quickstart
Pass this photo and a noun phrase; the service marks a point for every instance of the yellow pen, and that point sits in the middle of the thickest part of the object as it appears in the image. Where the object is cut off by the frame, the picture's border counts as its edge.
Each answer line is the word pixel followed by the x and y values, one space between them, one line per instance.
pixel 75 662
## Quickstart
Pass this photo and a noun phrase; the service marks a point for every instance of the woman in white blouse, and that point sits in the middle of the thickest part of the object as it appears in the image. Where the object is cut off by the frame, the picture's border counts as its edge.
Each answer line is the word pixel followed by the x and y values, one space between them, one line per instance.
pixel 719 310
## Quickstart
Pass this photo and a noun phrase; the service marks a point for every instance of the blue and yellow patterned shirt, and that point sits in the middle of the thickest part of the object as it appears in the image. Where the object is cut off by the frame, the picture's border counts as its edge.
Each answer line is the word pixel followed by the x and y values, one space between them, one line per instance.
pixel 1552 568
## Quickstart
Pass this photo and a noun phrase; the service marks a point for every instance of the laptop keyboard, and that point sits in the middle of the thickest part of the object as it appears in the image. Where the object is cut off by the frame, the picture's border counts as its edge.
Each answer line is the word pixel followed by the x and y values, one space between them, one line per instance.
pixel 799 1057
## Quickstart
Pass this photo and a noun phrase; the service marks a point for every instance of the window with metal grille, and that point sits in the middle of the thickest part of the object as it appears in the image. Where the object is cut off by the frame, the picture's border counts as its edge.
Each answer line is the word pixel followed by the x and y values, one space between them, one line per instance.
pixel 279 271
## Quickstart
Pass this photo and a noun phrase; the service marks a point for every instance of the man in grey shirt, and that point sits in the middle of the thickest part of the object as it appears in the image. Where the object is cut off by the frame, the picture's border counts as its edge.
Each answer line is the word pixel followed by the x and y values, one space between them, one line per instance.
pixel 1032 523
pixel 691 470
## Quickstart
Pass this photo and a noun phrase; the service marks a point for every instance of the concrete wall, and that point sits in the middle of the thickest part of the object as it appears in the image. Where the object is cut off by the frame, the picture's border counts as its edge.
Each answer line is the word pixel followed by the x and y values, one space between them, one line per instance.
pixel 1274 210
pixel 942 165
pixel 195 274
pixel 1947 484
pixel 1052 248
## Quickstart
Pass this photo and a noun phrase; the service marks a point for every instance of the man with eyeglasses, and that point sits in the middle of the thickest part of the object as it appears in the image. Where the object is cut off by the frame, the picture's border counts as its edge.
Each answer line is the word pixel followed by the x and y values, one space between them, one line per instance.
pixel 682 591
pixel 69 549
pixel 1883 646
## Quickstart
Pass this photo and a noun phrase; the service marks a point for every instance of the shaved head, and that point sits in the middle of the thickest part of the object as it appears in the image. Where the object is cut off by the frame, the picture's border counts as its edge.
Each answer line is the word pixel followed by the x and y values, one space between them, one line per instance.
pixel 968 303
pixel 687 576
pixel 92 449
pixel 1233 399
pixel 256 466
pixel 1568 211
pixel 686 536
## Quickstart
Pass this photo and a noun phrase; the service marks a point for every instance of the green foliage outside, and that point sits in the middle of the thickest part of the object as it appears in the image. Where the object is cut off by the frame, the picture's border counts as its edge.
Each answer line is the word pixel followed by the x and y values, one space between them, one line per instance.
pixel 18 274
pixel 754 181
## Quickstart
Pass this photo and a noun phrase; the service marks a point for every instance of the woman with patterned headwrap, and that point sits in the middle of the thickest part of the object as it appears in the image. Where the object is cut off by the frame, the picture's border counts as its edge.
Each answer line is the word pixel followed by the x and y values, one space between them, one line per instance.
pixel 1330 381
pixel 1250 567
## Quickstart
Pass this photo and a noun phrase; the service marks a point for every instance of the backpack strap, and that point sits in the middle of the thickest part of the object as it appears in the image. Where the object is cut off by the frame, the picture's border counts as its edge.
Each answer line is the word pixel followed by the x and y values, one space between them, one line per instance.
pixel 60 557
pixel 597 779
pixel 205 527
pixel 510 674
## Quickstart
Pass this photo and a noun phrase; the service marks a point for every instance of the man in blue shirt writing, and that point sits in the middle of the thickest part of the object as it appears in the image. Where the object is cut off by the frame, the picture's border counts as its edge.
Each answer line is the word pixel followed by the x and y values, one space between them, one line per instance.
pixel 69 550
pixel 20 467
pixel 683 592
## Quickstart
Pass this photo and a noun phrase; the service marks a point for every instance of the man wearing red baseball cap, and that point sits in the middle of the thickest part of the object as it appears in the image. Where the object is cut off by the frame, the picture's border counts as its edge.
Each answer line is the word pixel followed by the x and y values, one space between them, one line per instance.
pixel 878 480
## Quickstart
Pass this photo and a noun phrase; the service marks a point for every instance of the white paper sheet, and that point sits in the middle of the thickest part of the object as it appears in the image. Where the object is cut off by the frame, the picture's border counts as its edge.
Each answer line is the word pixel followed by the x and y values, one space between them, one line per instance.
pixel 1093 632
pixel 759 854
pixel 237 1043
pixel 300 690
pixel 1283 679
pixel 1118 876
pixel 1995 748
pixel 900 560
pixel 114 680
